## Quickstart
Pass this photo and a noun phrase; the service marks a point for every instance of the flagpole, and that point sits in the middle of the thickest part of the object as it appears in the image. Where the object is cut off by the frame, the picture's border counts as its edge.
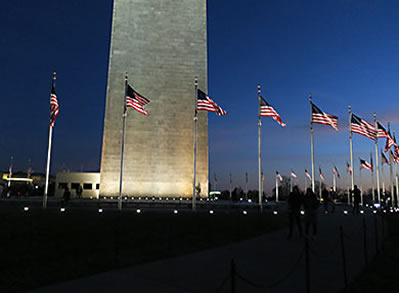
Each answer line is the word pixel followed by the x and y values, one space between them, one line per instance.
pixel 372 185
pixel 231 188
pixel 122 144
pixel 390 178
pixel 306 183
pixel 377 161
pixel 50 135
pixel 195 144
pixel 276 189
pixel 382 177
pixel 291 178
pixel 349 190
pixel 259 154
pixel 311 142
pixel 334 182
pixel 396 183
pixel 10 175
pixel 351 146
pixel 361 185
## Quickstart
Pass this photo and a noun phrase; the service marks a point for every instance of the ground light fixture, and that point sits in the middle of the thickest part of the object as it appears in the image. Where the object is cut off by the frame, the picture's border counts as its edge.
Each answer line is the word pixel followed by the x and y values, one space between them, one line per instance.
pixel 275 212
pixel 302 212
pixel 138 211
pixel 345 212
pixel 100 210
pixel 62 210
pixel 211 212
pixel 362 212
pixel 244 212
pixel 26 209
pixel 374 212
pixel 175 212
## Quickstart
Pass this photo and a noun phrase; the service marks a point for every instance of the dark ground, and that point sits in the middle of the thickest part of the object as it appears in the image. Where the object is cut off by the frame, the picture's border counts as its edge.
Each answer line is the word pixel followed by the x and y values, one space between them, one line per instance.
pixel 39 247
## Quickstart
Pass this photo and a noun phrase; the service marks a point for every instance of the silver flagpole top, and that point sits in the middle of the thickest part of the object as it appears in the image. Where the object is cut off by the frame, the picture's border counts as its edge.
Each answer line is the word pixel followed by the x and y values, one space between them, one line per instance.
pixel 310 97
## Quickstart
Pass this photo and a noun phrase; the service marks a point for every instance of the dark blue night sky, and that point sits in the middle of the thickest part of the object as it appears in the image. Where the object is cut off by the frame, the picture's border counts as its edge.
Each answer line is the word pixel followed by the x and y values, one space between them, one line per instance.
pixel 343 52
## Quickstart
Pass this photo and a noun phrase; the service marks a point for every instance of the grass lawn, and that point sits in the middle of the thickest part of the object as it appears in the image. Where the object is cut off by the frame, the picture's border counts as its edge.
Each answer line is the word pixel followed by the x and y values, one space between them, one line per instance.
pixel 381 275
pixel 39 248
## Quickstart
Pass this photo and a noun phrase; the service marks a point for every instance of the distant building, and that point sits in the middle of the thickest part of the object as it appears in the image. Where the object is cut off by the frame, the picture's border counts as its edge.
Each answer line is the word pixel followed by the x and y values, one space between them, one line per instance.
pixel 90 183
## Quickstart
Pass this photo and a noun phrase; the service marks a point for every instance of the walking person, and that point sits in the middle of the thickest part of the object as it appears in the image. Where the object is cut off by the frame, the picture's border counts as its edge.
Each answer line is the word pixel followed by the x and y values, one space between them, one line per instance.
pixel 79 191
pixel 326 199
pixel 356 200
pixel 67 196
pixel 311 204
pixel 294 211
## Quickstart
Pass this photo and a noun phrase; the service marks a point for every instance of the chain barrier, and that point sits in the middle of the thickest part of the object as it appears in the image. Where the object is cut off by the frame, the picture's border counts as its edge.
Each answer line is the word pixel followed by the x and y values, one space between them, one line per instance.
pixel 328 251
pixel 219 289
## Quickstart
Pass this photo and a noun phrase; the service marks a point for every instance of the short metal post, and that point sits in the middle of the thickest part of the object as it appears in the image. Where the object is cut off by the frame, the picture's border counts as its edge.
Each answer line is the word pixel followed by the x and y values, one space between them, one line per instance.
pixel 377 250
pixel 307 265
pixel 233 275
pixel 365 241
pixel 341 230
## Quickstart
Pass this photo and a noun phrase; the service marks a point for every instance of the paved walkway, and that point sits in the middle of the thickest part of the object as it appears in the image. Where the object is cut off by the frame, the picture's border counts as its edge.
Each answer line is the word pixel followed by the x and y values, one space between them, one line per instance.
pixel 260 262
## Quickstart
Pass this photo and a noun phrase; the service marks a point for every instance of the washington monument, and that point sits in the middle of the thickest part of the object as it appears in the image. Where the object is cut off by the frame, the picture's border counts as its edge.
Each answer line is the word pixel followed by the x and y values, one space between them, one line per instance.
pixel 162 44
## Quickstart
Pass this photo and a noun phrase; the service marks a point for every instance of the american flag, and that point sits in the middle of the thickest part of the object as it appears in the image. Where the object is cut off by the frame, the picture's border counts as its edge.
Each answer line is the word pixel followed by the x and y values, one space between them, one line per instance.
pixel 308 175
pixel 348 168
pixel 265 110
pixel 54 107
pixel 394 157
pixel 384 159
pixel 390 141
pixel 381 132
pixel 318 116
pixel 321 175
pixel 205 103
pixel 293 174
pixel 136 101
pixel 279 176
pixel 335 170
pixel 362 127
pixel 365 165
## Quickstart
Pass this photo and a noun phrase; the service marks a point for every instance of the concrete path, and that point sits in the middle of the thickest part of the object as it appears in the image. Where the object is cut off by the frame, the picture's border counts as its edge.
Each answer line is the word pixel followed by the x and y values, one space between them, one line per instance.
pixel 260 263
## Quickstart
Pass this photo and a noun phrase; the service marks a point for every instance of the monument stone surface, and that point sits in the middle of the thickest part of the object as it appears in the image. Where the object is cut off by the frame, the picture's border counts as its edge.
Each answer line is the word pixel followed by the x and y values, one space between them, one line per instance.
pixel 162 44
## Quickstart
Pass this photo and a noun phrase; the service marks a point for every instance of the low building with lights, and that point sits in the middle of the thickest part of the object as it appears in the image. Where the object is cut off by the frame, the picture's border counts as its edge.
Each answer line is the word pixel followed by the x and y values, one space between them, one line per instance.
pixel 88 181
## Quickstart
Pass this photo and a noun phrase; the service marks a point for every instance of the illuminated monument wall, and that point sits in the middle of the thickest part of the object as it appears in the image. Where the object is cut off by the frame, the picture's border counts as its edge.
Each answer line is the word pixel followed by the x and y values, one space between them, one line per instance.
pixel 162 45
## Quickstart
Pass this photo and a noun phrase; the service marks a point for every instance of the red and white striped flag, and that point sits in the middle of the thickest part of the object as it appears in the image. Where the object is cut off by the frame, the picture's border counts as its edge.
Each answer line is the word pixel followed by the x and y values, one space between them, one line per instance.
pixel 279 176
pixel 393 157
pixel 293 174
pixel 265 110
pixel 308 175
pixel 365 165
pixel 348 168
pixel 390 142
pixel 321 175
pixel 362 127
pixel 136 101
pixel 205 103
pixel 335 170
pixel 54 107
pixel 319 117
pixel 384 159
